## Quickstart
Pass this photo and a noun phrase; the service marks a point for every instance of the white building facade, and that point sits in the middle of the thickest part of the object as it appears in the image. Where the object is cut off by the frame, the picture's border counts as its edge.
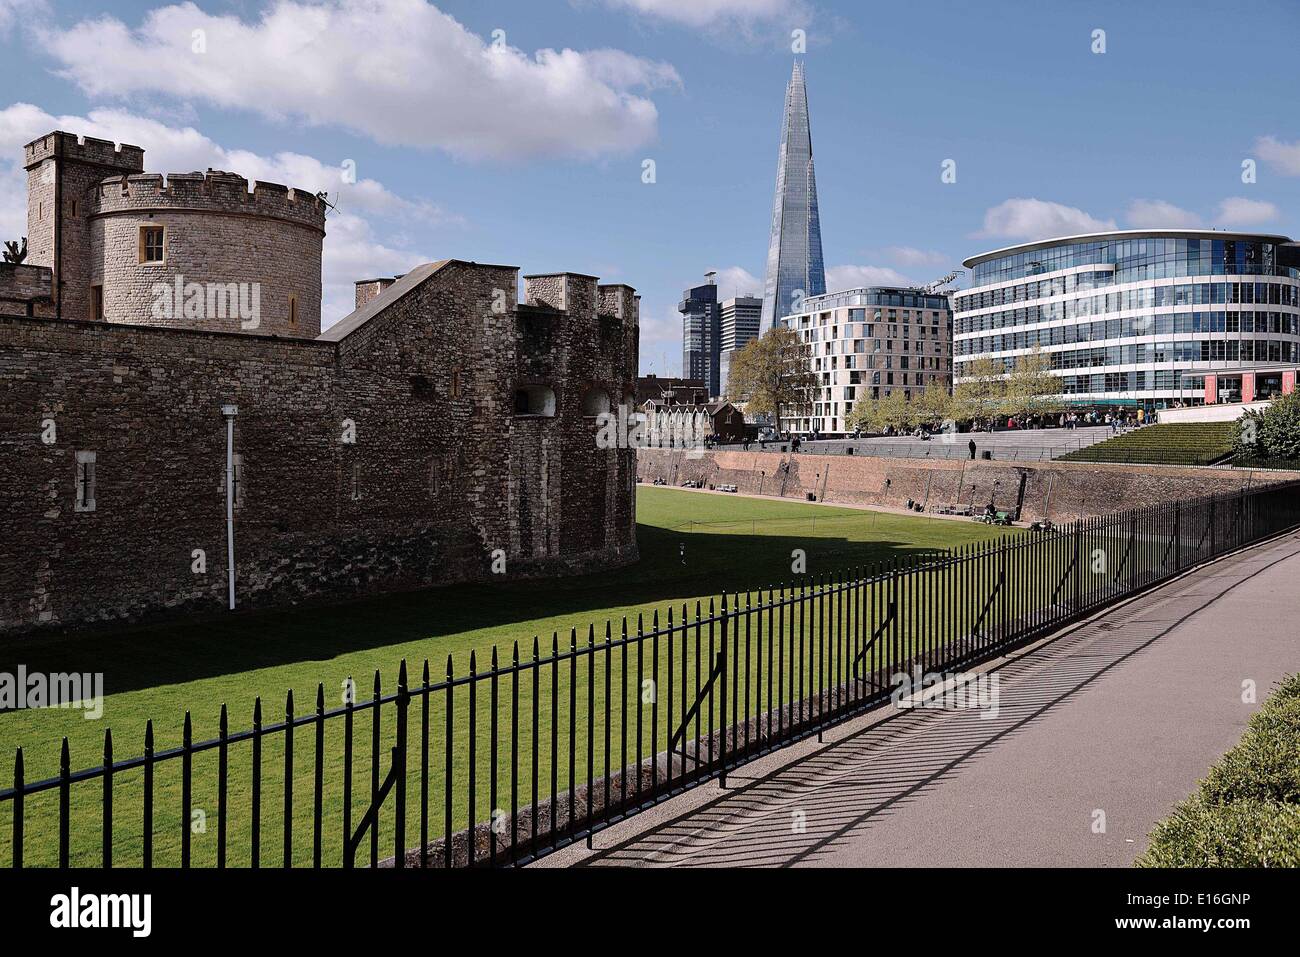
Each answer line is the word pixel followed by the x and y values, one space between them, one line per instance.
pixel 1134 317
pixel 864 344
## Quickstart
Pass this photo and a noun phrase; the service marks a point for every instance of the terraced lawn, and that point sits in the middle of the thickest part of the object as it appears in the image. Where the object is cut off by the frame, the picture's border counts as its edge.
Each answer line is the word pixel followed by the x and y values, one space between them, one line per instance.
pixel 1182 443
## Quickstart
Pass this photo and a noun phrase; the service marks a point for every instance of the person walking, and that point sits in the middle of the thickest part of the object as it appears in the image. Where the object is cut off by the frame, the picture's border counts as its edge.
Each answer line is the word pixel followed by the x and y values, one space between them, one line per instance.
pixel 971 446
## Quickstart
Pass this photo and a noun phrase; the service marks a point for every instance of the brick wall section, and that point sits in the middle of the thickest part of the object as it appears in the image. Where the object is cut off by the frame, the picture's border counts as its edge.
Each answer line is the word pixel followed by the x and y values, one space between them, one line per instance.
pixel 1061 491
pixel 441 473
pixel 217 232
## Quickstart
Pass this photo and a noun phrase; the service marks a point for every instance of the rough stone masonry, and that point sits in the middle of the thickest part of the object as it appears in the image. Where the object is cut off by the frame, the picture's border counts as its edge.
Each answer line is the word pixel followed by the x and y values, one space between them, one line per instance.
pixel 445 431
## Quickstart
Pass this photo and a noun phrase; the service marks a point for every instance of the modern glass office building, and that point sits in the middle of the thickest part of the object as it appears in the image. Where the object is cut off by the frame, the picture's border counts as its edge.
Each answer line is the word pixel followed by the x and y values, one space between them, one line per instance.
pixel 702 335
pixel 794 256
pixel 864 344
pixel 1135 317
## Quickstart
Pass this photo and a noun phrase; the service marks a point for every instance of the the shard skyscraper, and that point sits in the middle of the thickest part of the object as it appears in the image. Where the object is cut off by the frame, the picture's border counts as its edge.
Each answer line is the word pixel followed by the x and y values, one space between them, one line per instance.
pixel 794 255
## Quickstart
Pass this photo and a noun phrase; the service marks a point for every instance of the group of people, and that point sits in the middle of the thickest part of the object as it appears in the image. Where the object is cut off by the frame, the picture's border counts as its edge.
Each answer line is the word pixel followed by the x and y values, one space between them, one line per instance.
pixel 1118 421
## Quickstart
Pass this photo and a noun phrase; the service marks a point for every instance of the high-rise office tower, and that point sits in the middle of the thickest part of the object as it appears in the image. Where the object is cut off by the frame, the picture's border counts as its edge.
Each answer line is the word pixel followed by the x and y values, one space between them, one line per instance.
pixel 740 320
pixel 702 335
pixel 794 255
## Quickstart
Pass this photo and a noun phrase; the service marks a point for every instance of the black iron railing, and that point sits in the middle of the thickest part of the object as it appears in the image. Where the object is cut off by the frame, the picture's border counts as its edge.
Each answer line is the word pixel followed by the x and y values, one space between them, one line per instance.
pixel 503 764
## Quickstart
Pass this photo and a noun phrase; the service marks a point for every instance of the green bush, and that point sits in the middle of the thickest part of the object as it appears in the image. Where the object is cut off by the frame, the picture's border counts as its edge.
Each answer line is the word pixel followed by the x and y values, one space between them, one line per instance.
pixel 1273 432
pixel 1246 812
pixel 1265 766
pixel 1240 834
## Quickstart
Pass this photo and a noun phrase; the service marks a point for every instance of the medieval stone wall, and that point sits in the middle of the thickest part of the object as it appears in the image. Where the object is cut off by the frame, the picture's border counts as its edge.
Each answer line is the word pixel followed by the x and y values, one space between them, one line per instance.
pixel 1060 491
pixel 388 459
pixel 25 290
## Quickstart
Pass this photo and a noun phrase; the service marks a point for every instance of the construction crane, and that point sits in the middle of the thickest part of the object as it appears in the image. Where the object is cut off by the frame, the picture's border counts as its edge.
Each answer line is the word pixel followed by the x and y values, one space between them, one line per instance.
pixel 940 283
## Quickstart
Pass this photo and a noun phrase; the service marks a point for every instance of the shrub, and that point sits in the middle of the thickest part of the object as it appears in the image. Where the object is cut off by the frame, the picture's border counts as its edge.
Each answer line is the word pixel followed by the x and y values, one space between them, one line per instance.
pixel 1240 834
pixel 1246 812
pixel 1273 432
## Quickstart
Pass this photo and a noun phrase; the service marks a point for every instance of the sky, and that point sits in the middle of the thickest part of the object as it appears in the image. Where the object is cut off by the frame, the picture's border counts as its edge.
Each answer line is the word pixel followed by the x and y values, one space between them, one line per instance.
pixel 636 140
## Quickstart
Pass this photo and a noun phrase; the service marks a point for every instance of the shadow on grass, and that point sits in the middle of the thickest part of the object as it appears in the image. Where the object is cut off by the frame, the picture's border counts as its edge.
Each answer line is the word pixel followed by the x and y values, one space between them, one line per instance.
pixel 189 650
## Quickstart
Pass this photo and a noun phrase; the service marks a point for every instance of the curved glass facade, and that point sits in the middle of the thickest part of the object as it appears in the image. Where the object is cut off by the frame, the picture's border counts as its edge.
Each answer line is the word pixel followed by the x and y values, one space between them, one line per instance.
pixel 1135 317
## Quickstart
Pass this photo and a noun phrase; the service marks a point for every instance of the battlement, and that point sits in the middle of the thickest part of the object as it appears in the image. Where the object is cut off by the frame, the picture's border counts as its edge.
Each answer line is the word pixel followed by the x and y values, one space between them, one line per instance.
pixel 83 149
pixel 566 291
pixel 618 301
pixel 214 190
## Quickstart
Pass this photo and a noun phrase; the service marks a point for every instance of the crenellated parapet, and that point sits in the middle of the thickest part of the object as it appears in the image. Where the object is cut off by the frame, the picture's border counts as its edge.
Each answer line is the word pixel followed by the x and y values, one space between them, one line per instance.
pixel 85 150
pixel 214 191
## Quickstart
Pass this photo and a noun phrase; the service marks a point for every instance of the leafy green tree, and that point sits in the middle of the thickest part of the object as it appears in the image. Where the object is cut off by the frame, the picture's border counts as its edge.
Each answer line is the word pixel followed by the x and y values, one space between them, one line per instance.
pixel 979 397
pixel 890 411
pixel 773 375
pixel 1031 388
pixel 933 406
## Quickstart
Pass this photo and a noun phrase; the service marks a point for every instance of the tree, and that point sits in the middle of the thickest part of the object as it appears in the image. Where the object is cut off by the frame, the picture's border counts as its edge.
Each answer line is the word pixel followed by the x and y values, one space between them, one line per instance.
pixel 933 406
pixel 772 374
pixel 979 396
pixel 1031 388
pixel 891 411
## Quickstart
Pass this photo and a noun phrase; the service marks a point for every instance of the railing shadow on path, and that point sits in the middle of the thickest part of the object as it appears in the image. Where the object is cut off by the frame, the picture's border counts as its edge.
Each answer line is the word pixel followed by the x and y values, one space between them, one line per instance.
pixel 852 785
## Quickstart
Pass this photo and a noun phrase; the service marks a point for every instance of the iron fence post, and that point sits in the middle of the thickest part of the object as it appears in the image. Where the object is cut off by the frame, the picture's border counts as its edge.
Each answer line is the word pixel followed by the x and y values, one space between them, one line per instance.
pixel 722 676
pixel 399 756
pixel 1178 537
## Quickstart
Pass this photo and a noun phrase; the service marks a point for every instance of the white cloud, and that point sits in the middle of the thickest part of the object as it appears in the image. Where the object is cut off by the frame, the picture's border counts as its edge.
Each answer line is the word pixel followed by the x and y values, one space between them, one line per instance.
pixel 661 341
pixel 1158 214
pixel 399 71
pixel 738 281
pixel 1283 157
pixel 1238 211
pixel 911 256
pixel 839 278
pixel 702 13
pixel 1022 218
pixel 351 250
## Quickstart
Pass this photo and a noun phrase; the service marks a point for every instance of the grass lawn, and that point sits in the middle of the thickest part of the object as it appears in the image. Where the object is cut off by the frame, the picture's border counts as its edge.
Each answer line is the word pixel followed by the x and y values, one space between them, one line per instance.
pixel 161 672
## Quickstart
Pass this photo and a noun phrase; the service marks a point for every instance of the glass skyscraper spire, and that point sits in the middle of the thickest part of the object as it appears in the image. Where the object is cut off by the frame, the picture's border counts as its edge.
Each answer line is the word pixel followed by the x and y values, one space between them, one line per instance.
pixel 794 255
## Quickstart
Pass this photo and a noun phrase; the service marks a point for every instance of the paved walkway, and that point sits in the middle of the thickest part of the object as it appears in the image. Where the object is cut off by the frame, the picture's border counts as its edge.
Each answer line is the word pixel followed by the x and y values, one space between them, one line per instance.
pixel 1120 715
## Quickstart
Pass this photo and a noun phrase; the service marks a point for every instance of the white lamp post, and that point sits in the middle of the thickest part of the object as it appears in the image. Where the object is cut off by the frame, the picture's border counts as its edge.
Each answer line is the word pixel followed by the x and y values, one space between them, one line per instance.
pixel 230 411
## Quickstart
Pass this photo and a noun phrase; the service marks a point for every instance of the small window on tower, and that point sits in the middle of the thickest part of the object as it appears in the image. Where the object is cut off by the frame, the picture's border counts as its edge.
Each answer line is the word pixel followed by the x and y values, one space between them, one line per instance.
pixel 74 209
pixel 293 310
pixel 151 244
pixel 97 303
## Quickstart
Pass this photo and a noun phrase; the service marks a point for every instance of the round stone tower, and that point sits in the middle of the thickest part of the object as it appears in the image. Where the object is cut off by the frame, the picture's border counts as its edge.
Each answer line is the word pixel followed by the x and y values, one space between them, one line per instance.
pixel 200 251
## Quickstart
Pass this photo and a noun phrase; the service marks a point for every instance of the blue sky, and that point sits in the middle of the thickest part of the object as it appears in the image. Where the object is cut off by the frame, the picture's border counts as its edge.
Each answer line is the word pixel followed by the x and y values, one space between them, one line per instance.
pixel 527 146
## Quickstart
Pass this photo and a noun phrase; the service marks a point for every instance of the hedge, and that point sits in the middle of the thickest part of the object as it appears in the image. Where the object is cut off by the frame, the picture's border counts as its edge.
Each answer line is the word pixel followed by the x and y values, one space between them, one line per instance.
pixel 1246 812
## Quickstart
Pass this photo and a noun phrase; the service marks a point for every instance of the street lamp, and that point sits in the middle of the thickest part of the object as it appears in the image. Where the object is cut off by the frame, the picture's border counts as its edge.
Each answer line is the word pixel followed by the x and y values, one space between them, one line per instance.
pixel 230 410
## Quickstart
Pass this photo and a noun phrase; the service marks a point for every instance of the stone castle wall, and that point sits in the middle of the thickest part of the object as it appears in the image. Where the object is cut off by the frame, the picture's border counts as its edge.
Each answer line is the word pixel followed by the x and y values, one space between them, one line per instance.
pixel 1059 491
pixel 441 473
pixel 25 290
